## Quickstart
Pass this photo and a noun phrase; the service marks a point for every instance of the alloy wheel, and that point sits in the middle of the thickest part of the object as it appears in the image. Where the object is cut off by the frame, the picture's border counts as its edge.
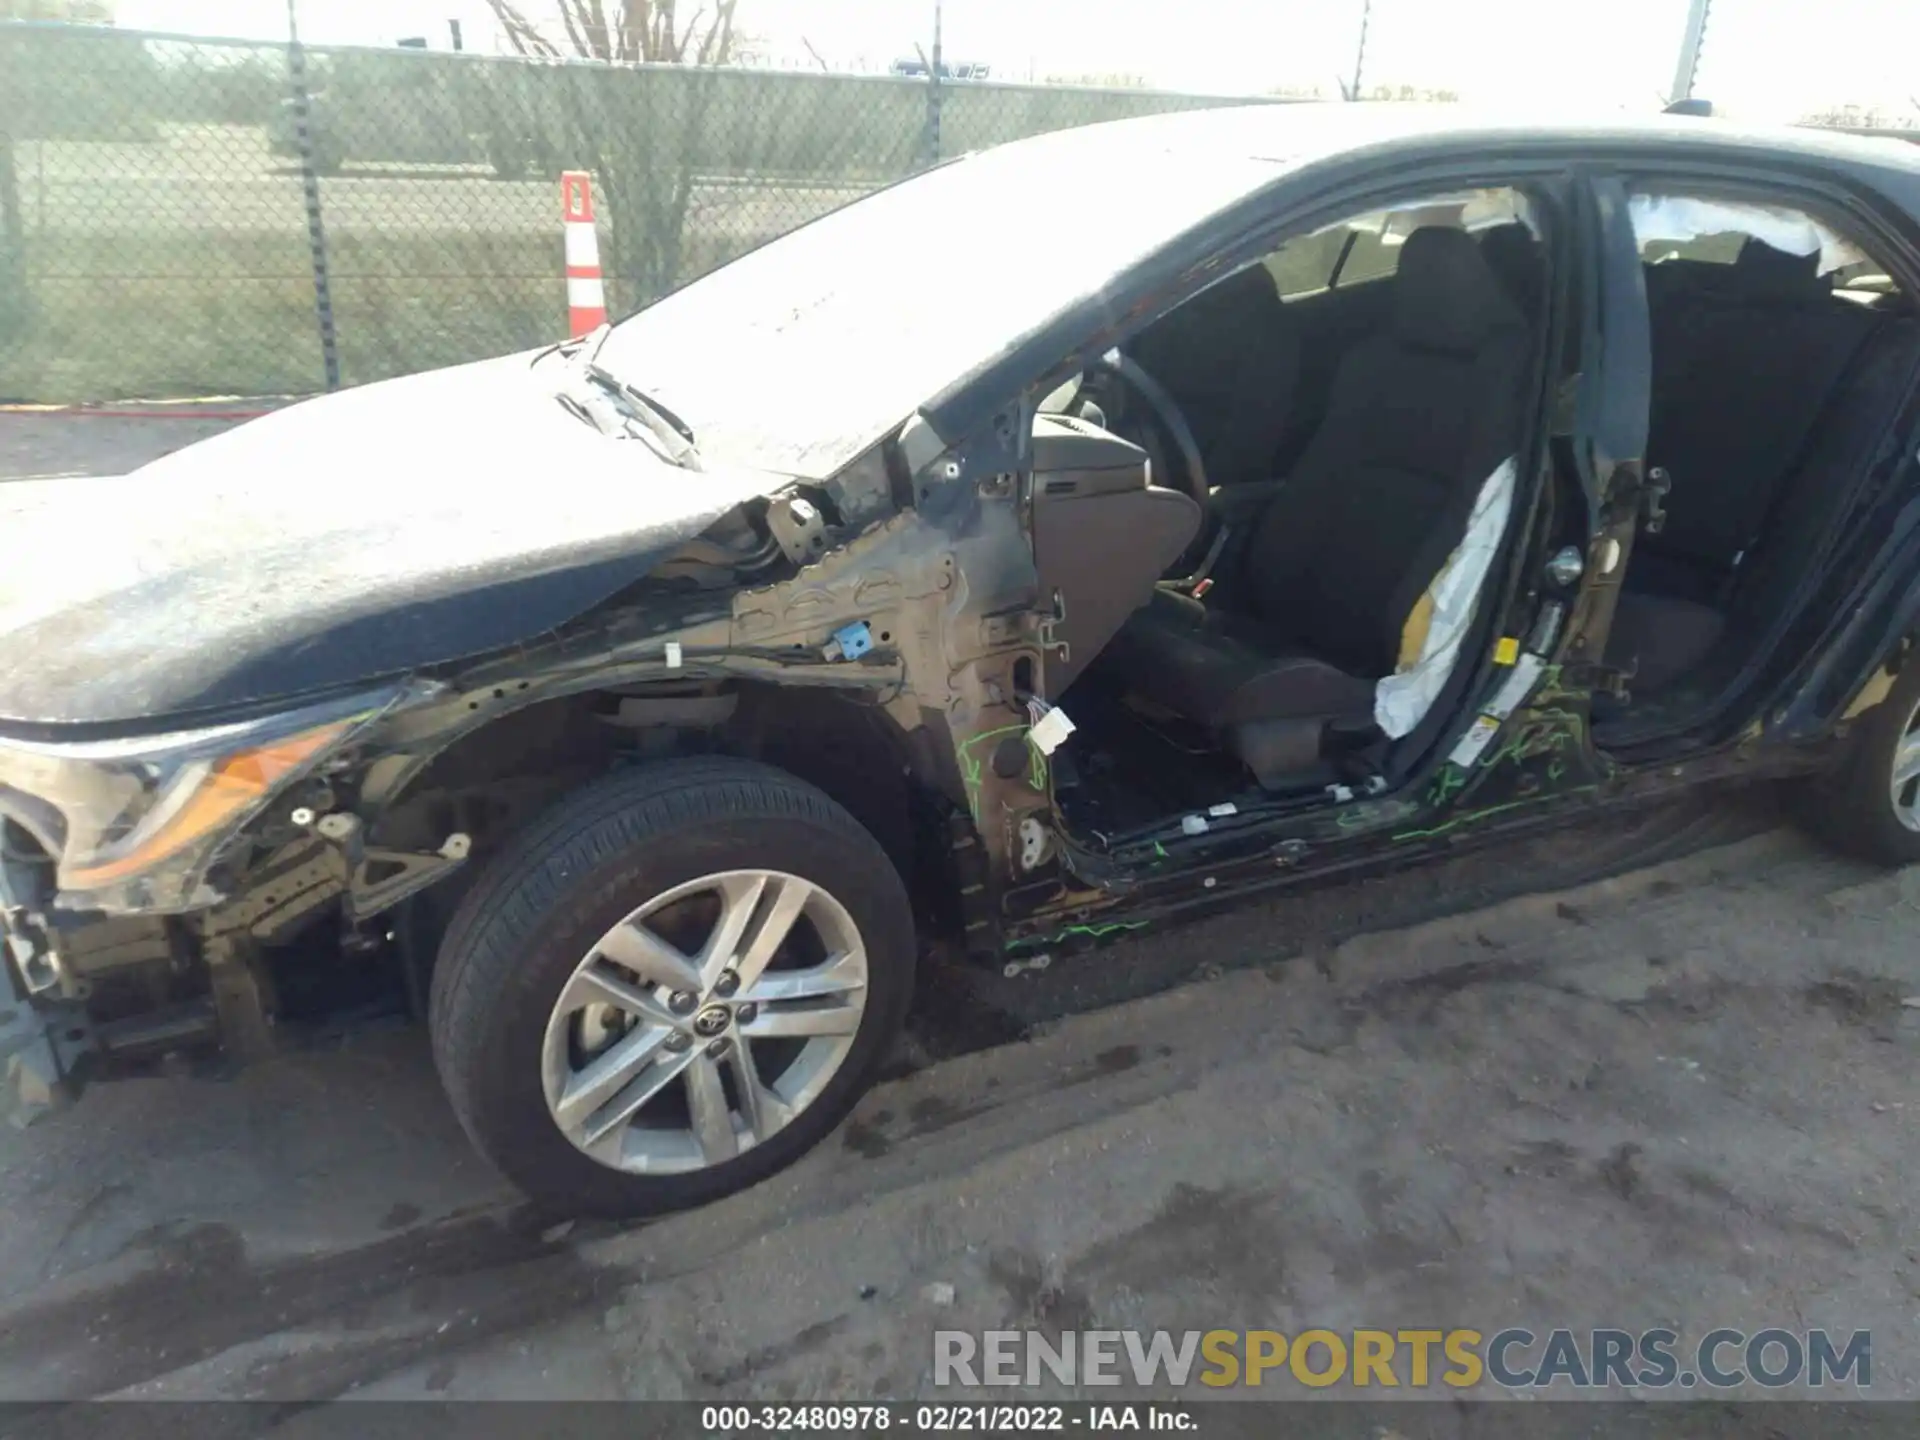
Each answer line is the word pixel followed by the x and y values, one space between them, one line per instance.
pixel 1906 773
pixel 704 1022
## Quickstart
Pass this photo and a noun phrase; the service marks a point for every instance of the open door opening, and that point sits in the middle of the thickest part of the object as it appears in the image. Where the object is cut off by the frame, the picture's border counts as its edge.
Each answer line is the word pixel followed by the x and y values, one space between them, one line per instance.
pixel 1361 404
pixel 1781 355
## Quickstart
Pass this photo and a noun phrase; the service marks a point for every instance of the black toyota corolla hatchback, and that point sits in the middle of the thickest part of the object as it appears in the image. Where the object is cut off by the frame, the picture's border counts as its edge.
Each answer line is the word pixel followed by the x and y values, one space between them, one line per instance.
pixel 1081 533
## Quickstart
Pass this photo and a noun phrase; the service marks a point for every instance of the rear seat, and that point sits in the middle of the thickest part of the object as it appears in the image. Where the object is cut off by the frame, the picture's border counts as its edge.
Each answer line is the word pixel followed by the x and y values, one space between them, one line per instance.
pixel 1851 431
pixel 1746 357
pixel 1742 368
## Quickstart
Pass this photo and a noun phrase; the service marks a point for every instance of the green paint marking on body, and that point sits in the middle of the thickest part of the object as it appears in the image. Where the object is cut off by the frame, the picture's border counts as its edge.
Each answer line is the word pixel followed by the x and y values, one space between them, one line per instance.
pixel 1449 782
pixel 1549 688
pixel 1473 817
pixel 1543 732
pixel 971 765
pixel 1093 932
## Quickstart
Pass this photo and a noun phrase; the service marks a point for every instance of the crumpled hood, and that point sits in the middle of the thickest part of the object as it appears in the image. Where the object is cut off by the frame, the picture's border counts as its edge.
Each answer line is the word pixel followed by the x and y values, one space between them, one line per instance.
pixel 364 533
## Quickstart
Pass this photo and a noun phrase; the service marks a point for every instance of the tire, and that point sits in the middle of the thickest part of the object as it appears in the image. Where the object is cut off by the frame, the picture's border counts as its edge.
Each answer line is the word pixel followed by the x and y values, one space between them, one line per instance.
pixel 546 912
pixel 1853 807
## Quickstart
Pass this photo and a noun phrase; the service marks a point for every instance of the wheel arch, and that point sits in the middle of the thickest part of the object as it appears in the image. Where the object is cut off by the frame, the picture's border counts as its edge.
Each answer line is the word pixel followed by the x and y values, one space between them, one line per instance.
pixel 493 780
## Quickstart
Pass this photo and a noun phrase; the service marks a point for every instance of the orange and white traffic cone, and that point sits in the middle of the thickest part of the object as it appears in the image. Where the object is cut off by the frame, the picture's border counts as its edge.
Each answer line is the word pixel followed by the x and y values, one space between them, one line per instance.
pixel 586 290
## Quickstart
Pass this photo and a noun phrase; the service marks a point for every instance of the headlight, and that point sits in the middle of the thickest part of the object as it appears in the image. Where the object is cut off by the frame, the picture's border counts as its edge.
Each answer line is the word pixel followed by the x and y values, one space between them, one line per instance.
pixel 151 812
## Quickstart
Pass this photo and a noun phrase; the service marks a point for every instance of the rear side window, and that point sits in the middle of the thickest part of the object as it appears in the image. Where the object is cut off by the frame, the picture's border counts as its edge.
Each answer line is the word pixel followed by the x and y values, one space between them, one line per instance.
pixel 1366 248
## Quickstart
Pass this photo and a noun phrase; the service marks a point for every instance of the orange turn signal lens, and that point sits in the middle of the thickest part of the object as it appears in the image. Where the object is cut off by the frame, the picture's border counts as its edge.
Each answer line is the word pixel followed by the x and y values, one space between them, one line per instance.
pixel 227 788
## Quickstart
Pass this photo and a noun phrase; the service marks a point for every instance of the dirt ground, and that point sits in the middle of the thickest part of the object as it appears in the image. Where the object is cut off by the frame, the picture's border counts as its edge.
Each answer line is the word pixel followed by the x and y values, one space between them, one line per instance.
pixel 1683 1097
pixel 1492 1091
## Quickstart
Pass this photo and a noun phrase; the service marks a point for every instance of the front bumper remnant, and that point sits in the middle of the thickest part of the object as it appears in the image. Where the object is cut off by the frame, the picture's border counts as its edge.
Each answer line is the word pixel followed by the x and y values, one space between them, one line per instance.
pixel 44 1028
pixel 41 1046
pixel 27 942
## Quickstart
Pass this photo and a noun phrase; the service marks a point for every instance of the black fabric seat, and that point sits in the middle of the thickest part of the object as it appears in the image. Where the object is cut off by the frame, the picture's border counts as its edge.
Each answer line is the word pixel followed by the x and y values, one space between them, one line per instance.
pixel 1230 358
pixel 1515 257
pixel 1746 359
pixel 1227 670
pixel 1673 638
pixel 1743 364
pixel 1310 611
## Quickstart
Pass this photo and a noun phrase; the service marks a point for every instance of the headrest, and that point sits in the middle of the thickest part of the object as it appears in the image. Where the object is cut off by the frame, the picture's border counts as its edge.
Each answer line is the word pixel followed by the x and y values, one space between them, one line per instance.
pixel 1445 295
pixel 1763 270
pixel 1253 284
pixel 1513 255
pixel 1189 345
pixel 1247 296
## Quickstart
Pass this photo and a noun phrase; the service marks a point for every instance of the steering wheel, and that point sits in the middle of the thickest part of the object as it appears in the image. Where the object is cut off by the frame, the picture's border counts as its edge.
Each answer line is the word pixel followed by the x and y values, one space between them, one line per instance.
pixel 1136 381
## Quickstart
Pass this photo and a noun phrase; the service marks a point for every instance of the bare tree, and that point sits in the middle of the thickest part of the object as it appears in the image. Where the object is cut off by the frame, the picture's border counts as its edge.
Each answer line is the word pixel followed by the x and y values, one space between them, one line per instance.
pixel 644 136
pixel 624 30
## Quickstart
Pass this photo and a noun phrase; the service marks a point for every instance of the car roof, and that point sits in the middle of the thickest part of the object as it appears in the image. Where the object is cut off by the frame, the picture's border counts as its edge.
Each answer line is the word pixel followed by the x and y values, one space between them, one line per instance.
pixel 1297 134
pixel 942 293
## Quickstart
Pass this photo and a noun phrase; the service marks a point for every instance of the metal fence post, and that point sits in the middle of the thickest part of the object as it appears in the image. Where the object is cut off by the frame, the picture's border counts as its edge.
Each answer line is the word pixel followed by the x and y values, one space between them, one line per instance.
pixel 14 293
pixel 310 186
pixel 1688 63
pixel 1360 51
pixel 934 92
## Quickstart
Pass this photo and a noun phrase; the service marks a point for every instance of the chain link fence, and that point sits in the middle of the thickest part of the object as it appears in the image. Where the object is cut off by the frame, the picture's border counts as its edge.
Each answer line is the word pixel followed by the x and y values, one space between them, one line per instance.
pixel 191 217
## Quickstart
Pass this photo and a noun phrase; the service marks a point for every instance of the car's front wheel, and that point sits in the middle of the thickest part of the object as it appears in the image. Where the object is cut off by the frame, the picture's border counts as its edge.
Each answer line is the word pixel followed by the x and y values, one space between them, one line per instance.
pixel 674 985
pixel 1869 805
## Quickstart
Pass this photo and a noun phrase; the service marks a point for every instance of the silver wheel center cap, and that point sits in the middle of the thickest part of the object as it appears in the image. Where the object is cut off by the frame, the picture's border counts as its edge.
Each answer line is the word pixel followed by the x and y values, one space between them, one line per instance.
pixel 711 1021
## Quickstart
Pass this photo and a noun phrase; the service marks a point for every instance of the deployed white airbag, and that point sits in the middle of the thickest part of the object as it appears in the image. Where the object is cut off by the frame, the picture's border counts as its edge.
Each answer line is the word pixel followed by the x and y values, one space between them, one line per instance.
pixel 1679 218
pixel 1401 700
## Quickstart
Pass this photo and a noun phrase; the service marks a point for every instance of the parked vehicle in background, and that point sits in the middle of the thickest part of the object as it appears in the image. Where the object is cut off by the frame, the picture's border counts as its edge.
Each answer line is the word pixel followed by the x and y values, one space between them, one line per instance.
pixel 949 70
pixel 1067 540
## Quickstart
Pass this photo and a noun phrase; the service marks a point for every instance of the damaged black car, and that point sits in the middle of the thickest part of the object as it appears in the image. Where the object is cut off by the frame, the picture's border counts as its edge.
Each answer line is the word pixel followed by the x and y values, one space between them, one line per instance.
pixel 1063 541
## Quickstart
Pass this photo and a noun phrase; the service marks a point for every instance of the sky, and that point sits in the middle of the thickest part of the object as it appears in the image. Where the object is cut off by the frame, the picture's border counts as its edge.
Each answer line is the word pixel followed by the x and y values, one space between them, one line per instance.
pixel 1762 59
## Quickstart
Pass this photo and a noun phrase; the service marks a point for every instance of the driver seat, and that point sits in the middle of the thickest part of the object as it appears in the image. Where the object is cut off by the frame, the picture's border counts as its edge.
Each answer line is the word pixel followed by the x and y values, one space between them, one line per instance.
pixel 1312 610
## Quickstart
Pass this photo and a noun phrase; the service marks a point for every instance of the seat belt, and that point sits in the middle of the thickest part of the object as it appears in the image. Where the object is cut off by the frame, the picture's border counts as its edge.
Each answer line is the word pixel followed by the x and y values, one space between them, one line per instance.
pixel 1201 580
